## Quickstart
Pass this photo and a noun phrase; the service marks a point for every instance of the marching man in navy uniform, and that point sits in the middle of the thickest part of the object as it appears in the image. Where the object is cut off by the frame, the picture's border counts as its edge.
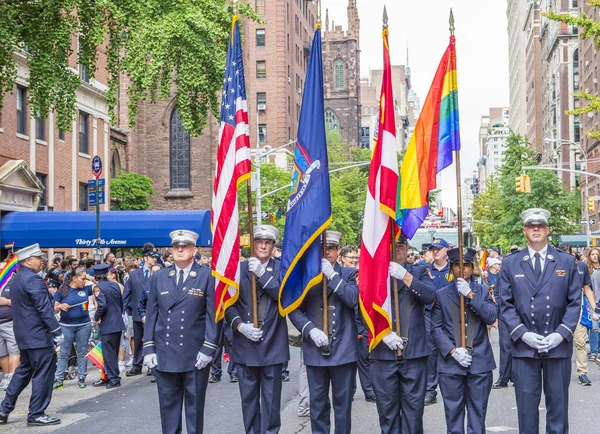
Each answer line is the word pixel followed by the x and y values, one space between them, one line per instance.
pixel 465 374
pixel 134 292
pixel 109 315
pixel 540 294
pixel 338 367
pixel 259 353
pixel 180 336
pixel 36 331
pixel 400 384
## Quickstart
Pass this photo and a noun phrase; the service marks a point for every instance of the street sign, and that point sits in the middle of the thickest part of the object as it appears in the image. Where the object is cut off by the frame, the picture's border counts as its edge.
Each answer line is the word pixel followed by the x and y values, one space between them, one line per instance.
pixel 584 222
pixel 92 191
pixel 263 215
pixel 97 166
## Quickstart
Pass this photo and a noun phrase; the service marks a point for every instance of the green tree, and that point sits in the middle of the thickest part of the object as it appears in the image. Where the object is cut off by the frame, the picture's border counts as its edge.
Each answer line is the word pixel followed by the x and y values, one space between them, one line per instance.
pixel 588 28
pixel 130 192
pixel 486 212
pixel 162 46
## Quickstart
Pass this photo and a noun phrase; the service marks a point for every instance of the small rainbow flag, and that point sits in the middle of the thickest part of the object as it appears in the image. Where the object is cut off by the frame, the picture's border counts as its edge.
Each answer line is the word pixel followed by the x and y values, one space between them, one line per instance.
pixel 9 270
pixel 95 355
pixel 9 245
pixel 483 260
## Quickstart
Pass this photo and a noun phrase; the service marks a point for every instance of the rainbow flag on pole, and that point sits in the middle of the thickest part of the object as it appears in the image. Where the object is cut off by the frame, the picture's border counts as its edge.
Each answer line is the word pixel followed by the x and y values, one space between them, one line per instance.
pixel 9 270
pixel 96 356
pixel 430 148
pixel 9 245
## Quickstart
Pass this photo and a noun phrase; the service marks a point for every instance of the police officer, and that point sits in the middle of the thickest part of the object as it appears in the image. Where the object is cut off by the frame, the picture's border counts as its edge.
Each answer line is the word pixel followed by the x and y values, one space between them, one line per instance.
pixel 134 291
pixel 540 296
pixel 330 359
pixel 181 335
pixel 35 329
pixel 109 315
pixel 259 353
pixel 465 374
pixel 400 383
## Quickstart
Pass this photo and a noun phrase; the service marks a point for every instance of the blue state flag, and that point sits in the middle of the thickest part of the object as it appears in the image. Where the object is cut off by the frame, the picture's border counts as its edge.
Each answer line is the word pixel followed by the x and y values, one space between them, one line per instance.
pixel 309 204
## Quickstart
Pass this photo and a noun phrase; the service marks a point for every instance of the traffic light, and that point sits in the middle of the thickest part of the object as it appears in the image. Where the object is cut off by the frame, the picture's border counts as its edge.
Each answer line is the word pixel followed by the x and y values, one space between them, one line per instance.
pixel 523 184
pixel 591 205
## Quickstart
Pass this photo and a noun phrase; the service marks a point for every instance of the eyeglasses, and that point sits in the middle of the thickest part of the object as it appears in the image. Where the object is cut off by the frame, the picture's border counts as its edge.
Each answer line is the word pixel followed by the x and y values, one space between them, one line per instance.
pixel 352 258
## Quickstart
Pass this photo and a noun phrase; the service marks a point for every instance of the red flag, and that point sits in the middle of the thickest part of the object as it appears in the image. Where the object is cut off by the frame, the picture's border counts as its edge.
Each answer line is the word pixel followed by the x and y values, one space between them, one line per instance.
pixel 375 253
pixel 233 167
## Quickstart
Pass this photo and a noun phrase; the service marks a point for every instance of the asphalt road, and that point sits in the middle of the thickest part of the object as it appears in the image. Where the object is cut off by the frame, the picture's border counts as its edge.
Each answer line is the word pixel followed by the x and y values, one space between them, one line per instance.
pixel 134 408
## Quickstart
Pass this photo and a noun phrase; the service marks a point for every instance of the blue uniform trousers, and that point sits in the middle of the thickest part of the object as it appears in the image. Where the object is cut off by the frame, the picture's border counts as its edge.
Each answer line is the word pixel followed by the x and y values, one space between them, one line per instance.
pixel 342 379
pixel 529 376
pixel 364 368
pixel 138 335
pixel 470 391
pixel 400 392
pixel 38 366
pixel 432 372
pixel 172 388
pixel 260 390
pixel 504 371
pixel 110 353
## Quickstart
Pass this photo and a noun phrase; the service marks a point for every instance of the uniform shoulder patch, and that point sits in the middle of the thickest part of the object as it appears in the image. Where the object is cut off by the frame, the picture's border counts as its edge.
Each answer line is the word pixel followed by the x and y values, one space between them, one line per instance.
pixel 449 277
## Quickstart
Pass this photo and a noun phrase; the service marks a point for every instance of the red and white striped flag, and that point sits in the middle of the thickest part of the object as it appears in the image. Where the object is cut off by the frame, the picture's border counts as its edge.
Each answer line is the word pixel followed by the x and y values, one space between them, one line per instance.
pixel 233 167
pixel 375 253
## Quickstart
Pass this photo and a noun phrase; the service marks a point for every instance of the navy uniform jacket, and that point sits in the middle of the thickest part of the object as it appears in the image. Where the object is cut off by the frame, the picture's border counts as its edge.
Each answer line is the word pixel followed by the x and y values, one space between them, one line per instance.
pixel 344 346
pixel 273 348
pixel 442 328
pixel 34 322
pixel 549 305
pixel 141 307
pixel 134 289
pixel 181 323
pixel 421 292
pixel 110 307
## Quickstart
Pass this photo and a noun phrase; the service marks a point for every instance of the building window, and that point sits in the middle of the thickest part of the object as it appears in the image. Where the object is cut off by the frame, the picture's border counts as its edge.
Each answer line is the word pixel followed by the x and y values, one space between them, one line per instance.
pixel 262 133
pixel 21 110
pixel 84 73
pixel 261 101
pixel 40 127
pixel 42 179
pixel 260 38
pixel 261 69
pixel 179 152
pixel 339 74
pixel 260 7
pixel 61 135
pixel 83 196
pixel 84 129
pixel 576 129
pixel 364 137
pixel 115 165
pixel 331 120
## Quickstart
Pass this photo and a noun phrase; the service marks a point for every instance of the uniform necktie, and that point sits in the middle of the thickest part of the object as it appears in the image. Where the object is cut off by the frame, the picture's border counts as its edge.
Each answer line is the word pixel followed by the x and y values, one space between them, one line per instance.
pixel 180 281
pixel 537 267
pixel 146 274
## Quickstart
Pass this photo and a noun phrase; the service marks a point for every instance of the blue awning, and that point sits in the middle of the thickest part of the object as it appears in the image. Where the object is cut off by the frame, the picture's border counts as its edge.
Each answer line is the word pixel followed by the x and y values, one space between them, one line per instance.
pixel 117 228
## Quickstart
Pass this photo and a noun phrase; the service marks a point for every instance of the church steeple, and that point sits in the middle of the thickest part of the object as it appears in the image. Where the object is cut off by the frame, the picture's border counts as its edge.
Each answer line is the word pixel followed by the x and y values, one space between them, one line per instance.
pixel 327 19
pixel 353 20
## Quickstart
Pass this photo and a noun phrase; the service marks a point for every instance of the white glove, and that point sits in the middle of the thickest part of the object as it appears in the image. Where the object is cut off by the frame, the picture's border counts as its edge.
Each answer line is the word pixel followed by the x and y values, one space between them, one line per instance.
pixel 150 361
pixel 202 360
pixel 463 286
pixel 461 355
pixel 58 340
pixel 534 340
pixel 393 341
pixel 256 267
pixel 327 269
pixel 397 271
pixel 551 341
pixel 319 338
pixel 250 332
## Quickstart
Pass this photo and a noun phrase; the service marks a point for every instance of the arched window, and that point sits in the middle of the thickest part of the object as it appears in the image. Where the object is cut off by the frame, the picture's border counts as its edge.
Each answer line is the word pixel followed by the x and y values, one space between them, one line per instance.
pixel 115 165
pixel 179 153
pixel 331 120
pixel 339 74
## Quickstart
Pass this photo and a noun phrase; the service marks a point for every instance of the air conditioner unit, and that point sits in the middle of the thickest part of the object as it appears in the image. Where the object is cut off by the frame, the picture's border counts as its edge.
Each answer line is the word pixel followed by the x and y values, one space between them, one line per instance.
pixel 262 107
pixel 289 80
pixel 300 91
pixel 595 81
pixel 587 62
pixel 590 115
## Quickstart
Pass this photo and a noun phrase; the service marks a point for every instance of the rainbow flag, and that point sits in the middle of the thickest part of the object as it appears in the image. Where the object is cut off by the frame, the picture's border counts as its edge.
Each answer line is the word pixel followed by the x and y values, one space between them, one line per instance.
pixel 83 306
pixel 483 260
pixel 95 355
pixel 430 148
pixel 11 267
pixel 9 245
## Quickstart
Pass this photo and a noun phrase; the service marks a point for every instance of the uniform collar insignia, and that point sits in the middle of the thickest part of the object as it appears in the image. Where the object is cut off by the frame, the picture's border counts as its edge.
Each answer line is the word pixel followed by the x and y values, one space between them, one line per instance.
pixel 526 258
pixel 192 274
pixel 172 273
pixel 551 257
pixel 269 269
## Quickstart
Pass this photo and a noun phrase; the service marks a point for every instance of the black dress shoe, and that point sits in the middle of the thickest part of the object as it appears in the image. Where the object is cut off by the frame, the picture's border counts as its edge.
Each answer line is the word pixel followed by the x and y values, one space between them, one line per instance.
pixel 430 399
pixel 113 385
pixel 370 399
pixel 3 417
pixel 133 372
pixel 233 379
pixel 499 385
pixel 153 379
pixel 214 379
pixel 44 420
pixel 285 378
pixel 100 383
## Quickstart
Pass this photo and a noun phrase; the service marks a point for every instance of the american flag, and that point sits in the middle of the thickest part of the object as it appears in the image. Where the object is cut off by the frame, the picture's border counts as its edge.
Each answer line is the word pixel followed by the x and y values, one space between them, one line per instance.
pixel 233 167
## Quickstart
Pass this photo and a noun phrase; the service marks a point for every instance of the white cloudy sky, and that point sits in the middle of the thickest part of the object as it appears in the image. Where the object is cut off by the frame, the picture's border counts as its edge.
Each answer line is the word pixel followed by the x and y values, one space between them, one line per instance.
pixel 482 55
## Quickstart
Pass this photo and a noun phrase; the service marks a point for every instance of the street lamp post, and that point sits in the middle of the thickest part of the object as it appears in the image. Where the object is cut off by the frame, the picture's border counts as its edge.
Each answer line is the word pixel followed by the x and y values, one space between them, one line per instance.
pixel 582 156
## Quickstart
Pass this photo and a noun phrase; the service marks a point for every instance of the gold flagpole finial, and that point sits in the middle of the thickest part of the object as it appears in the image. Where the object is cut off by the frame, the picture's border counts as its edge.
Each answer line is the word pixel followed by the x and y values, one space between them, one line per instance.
pixel 451 23
pixel 235 7
pixel 385 17
pixel 318 24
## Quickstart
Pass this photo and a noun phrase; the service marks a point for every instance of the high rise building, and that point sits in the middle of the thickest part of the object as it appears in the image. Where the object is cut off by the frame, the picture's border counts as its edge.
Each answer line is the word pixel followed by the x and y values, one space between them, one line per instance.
pixel 493 133
pixel 533 77
pixel 516 13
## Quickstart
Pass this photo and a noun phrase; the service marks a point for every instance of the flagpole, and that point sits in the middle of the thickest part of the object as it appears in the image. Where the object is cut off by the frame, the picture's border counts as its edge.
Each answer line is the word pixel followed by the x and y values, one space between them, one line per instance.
pixel 463 342
pixel 399 358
